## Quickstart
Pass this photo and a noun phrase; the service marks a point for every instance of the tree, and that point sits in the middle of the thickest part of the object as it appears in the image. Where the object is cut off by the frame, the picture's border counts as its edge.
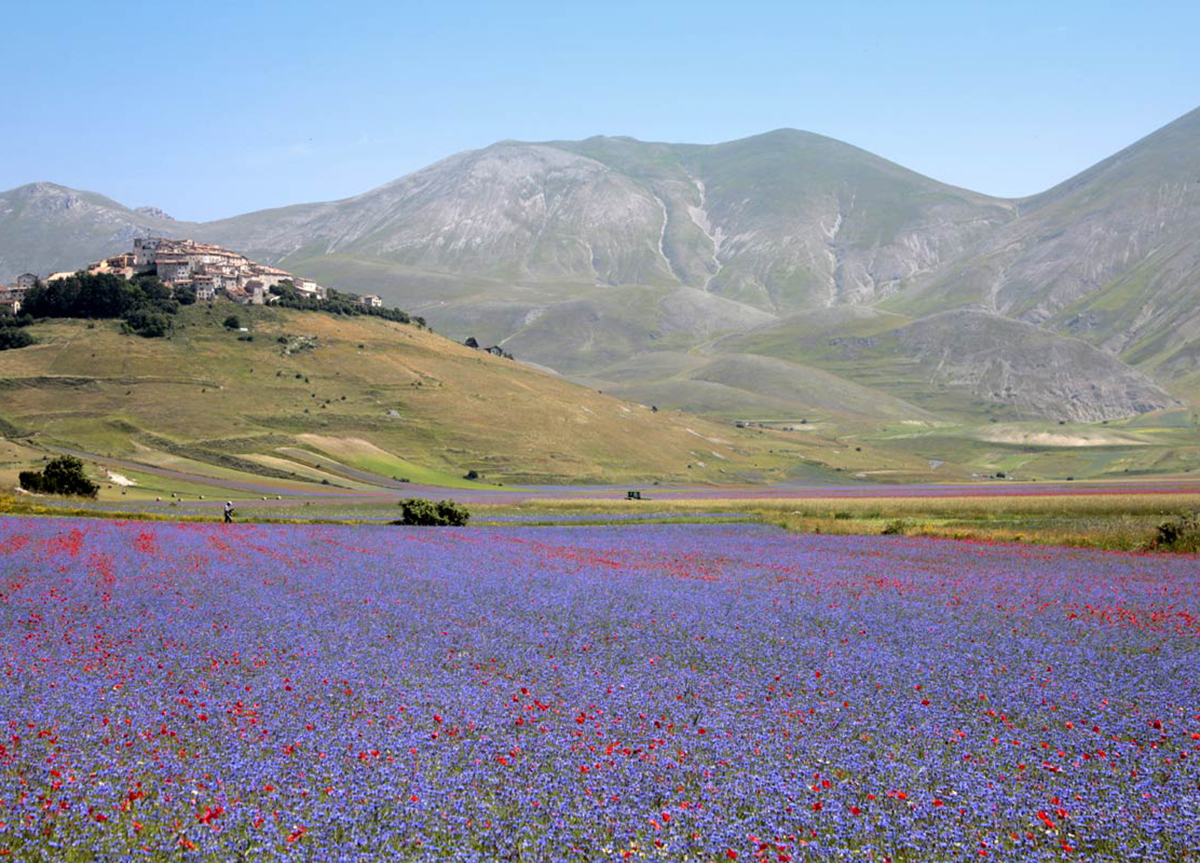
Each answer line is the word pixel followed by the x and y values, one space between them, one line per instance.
pixel 233 323
pixel 63 475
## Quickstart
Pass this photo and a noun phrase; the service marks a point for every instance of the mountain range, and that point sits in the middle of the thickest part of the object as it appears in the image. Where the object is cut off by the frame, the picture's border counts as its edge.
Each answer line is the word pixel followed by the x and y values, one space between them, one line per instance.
pixel 782 276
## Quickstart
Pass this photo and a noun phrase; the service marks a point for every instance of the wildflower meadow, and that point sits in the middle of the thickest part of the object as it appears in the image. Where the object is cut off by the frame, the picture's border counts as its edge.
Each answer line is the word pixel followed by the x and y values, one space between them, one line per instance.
pixel 663 692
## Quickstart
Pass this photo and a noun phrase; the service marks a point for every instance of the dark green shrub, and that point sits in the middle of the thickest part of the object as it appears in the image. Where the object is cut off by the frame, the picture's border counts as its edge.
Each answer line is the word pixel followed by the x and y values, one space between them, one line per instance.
pixel 1182 533
pixel 896 527
pixel 148 323
pixel 232 323
pixel 444 513
pixel 13 337
pixel 63 475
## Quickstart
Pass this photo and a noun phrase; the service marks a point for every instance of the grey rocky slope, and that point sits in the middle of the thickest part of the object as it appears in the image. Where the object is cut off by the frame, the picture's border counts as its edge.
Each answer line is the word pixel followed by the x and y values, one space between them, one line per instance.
pixel 781 221
pixel 790 220
pixel 45 227
pixel 1111 255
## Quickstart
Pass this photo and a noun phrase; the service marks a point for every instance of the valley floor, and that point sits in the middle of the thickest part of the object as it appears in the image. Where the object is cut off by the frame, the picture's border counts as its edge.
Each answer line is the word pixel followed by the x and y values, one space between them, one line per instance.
pixel 1121 516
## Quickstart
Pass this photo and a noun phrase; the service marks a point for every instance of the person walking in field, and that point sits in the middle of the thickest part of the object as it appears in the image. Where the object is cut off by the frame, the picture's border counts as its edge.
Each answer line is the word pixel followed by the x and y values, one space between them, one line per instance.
pixel 229 512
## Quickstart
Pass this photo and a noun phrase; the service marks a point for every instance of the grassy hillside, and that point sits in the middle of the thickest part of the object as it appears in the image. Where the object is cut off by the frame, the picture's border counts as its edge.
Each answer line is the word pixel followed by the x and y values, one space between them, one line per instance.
pixel 369 399
pixel 359 404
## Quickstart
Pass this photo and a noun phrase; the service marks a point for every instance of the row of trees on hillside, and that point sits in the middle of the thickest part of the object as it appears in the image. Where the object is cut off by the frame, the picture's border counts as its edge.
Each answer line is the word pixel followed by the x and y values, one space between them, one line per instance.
pixel 144 303
pixel 148 307
pixel 338 304
pixel 63 475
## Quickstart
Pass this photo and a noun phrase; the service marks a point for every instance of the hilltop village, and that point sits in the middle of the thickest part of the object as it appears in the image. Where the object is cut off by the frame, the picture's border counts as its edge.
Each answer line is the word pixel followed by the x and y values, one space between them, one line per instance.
pixel 204 269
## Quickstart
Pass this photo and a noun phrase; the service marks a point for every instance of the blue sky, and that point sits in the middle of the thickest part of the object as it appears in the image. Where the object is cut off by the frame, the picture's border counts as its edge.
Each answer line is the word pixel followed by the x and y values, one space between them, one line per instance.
pixel 212 109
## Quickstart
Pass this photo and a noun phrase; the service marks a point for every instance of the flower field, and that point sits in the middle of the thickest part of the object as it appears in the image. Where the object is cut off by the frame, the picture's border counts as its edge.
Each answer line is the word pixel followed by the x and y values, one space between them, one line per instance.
pixel 669 692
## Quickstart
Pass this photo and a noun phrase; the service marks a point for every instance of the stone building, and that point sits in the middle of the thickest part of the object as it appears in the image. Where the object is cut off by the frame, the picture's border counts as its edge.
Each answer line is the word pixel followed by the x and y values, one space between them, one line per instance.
pixel 144 251
pixel 254 292
pixel 205 286
pixel 269 277
pixel 172 268
pixel 124 266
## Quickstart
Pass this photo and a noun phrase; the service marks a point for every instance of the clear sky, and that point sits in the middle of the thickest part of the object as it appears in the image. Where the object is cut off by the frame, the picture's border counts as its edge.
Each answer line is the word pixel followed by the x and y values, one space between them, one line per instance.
pixel 209 109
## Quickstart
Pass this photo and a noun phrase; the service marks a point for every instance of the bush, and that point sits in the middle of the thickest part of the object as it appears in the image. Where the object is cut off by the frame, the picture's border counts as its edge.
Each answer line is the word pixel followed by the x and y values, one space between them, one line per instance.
pixel 444 513
pixel 148 323
pixel 13 337
pixel 1181 533
pixel 232 323
pixel 63 475
pixel 898 526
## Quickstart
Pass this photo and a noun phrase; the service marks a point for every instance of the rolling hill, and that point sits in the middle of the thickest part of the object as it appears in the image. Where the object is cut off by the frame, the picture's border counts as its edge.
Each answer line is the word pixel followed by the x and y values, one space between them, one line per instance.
pixel 358 400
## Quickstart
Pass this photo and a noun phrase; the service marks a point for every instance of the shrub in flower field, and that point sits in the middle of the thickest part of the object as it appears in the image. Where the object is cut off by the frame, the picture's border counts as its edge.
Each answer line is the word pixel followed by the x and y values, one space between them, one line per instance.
pixel 445 513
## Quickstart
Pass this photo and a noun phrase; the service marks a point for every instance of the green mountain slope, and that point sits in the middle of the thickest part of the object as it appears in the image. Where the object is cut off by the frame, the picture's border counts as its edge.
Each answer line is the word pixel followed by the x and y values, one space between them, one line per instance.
pixel 782 221
pixel 965 364
pixel 370 395
pixel 1111 256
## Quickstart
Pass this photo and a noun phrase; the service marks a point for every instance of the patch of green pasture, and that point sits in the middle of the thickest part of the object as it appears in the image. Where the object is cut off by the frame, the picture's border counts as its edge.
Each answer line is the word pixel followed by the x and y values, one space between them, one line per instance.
pixel 303 471
pixel 392 467
pixel 151 485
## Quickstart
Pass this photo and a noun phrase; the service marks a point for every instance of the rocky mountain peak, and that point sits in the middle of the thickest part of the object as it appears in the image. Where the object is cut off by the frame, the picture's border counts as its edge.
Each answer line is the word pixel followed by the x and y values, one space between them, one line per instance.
pixel 155 213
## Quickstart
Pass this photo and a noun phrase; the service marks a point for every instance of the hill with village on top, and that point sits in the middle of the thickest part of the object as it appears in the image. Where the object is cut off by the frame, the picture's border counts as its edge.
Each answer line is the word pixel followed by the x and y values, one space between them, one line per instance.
pixel 268 381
